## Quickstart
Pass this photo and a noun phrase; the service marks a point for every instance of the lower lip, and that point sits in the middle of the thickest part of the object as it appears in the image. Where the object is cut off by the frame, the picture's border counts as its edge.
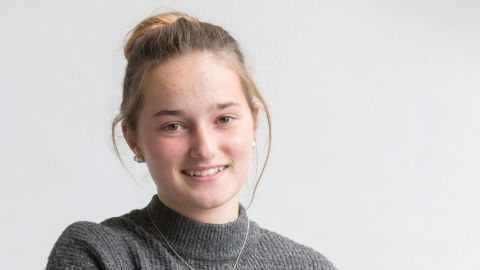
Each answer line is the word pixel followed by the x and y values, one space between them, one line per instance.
pixel 206 178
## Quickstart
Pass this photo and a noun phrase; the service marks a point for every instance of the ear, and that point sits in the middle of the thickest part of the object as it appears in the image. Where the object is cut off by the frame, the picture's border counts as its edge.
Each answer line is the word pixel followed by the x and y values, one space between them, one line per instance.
pixel 130 138
pixel 255 119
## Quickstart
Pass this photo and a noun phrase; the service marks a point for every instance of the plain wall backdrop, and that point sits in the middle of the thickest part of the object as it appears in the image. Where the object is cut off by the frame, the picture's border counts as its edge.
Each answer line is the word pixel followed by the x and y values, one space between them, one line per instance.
pixel 375 107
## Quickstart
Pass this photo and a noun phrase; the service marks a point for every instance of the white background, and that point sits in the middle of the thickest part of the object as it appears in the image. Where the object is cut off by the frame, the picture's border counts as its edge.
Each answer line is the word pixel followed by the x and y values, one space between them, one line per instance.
pixel 375 104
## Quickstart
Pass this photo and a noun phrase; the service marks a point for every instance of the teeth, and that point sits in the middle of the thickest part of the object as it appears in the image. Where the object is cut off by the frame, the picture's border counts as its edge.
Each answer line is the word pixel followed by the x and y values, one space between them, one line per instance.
pixel 205 172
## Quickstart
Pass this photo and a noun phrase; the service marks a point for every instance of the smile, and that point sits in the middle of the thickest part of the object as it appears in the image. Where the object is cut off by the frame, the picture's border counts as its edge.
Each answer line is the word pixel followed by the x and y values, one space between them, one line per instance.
pixel 206 172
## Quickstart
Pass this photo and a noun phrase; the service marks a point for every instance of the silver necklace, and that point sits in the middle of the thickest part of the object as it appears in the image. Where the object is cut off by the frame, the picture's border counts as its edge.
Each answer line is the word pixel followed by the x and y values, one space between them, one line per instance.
pixel 180 257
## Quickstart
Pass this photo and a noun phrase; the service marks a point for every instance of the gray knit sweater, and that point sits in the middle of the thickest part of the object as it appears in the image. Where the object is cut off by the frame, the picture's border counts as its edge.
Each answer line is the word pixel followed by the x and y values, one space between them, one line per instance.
pixel 132 242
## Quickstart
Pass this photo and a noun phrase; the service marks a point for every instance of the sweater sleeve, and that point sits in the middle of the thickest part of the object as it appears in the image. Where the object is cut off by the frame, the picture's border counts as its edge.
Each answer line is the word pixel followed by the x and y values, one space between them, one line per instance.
pixel 86 245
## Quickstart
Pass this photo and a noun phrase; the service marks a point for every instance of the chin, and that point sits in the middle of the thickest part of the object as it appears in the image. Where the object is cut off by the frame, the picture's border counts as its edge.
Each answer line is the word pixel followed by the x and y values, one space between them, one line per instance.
pixel 212 201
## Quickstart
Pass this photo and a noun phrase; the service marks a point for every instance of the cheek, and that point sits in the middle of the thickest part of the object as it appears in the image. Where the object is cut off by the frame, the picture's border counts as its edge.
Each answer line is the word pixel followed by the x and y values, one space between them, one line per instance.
pixel 240 147
pixel 165 153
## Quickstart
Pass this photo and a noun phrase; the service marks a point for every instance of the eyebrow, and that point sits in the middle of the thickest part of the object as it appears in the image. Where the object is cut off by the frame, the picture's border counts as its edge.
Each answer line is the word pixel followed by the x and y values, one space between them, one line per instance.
pixel 221 106
pixel 218 106
pixel 168 112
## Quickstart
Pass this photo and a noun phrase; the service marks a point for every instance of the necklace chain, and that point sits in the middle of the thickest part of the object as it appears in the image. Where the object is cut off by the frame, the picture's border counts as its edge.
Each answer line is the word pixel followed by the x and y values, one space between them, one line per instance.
pixel 180 257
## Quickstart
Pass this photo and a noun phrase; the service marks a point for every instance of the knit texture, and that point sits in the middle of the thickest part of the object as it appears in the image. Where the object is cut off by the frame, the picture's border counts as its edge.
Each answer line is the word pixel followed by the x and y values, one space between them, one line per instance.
pixel 132 242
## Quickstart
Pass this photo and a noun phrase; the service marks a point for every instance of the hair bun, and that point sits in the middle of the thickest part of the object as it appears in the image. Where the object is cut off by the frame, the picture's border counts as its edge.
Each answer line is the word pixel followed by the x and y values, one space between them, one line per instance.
pixel 149 24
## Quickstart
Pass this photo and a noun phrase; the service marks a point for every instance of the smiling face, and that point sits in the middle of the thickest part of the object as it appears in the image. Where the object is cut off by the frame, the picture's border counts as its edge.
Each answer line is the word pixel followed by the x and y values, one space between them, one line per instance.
pixel 195 131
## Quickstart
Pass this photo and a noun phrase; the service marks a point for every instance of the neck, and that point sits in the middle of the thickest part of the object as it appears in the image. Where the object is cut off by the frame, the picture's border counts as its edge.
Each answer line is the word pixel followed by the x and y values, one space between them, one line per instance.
pixel 196 240
pixel 222 214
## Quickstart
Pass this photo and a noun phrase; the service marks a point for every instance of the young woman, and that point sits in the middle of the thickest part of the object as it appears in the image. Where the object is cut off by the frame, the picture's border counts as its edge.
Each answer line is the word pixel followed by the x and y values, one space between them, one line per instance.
pixel 190 112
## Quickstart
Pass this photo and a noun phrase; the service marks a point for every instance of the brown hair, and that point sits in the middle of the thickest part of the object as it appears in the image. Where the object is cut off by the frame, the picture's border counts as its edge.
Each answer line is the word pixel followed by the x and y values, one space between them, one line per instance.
pixel 164 36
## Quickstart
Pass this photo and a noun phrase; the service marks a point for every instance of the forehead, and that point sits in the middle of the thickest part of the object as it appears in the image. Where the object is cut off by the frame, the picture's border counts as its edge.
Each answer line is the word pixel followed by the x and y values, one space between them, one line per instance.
pixel 198 78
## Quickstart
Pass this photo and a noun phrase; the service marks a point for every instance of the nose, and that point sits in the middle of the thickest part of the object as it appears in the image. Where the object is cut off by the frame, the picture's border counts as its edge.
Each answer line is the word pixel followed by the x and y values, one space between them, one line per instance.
pixel 204 145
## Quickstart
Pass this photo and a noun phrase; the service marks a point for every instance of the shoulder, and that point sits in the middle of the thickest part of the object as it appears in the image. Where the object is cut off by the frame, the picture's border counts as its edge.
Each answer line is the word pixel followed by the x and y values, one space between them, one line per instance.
pixel 75 248
pixel 88 245
pixel 88 232
pixel 283 249
pixel 115 229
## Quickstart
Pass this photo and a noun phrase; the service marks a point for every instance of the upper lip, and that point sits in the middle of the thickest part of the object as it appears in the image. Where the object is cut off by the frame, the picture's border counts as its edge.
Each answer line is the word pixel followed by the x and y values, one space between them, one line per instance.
pixel 204 167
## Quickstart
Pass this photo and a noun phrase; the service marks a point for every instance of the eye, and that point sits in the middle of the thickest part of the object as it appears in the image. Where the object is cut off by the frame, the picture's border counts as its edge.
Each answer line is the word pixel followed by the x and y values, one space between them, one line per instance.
pixel 172 127
pixel 225 119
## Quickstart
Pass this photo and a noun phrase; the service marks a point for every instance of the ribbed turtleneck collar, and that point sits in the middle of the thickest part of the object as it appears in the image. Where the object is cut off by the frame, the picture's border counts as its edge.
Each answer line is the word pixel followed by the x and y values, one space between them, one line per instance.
pixel 196 240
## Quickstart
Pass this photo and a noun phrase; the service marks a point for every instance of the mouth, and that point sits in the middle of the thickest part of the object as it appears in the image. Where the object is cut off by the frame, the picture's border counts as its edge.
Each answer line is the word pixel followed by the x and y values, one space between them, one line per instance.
pixel 204 172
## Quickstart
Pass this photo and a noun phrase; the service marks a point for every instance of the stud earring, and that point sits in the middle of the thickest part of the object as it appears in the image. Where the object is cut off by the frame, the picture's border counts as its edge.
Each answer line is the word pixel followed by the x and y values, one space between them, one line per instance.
pixel 254 143
pixel 138 159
